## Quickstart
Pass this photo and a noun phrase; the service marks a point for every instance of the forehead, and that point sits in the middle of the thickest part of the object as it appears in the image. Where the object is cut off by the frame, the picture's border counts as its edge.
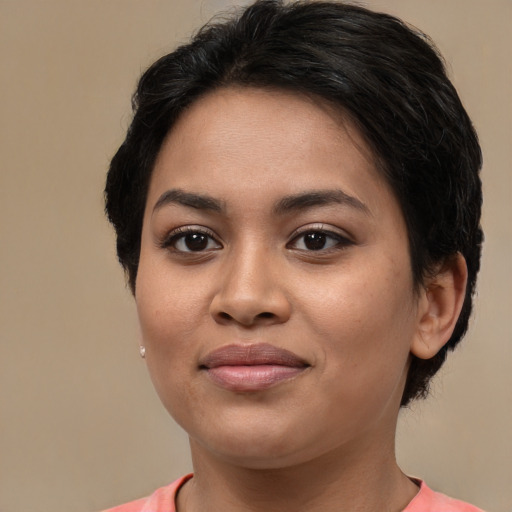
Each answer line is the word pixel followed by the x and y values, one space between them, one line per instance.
pixel 250 140
pixel 262 112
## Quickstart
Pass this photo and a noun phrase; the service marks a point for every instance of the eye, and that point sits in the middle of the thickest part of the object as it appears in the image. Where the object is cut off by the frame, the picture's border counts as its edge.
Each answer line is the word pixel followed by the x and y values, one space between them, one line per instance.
pixel 190 239
pixel 318 240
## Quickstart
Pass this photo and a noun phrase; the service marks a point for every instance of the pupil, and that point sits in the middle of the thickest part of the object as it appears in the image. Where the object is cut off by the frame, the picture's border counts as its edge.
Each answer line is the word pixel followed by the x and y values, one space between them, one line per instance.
pixel 315 241
pixel 196 241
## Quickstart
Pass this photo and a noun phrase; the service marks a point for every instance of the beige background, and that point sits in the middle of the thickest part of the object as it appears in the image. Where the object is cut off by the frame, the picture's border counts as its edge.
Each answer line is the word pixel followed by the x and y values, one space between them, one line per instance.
pixel 81 427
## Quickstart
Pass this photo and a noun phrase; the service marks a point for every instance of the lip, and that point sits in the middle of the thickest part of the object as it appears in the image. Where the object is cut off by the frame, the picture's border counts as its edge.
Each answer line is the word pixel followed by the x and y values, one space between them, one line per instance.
pixel 251 367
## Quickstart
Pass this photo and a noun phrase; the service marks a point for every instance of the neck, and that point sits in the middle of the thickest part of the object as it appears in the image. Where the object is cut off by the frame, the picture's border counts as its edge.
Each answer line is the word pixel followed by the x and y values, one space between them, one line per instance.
pixel 340 480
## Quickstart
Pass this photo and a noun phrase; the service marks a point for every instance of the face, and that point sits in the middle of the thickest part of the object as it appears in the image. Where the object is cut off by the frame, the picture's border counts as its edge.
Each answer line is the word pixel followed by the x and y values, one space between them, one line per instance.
pixel 274 290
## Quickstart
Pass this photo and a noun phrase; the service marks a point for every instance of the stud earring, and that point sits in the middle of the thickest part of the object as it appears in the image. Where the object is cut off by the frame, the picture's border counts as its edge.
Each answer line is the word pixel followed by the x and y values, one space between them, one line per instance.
pixel 142 351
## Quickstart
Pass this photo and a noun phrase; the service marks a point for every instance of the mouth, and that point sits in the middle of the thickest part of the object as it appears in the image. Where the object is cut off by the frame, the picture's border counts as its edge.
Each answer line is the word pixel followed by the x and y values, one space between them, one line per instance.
pixel 251 367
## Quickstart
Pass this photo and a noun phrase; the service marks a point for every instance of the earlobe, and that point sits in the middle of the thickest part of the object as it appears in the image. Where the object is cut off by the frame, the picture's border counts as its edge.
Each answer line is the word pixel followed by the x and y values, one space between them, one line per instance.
pixel 439 307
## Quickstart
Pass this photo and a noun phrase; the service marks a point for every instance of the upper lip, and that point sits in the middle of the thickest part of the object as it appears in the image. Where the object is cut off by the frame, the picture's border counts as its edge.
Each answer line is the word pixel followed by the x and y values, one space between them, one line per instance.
pixel 250 355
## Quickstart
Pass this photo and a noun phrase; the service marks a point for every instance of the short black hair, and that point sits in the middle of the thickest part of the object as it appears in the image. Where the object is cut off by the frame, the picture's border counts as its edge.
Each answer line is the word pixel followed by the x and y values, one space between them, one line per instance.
pixel 385 75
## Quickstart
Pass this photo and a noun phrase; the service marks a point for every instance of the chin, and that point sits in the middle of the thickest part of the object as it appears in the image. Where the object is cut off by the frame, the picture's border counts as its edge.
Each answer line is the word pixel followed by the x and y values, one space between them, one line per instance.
pixel 256 455
pixel 257 445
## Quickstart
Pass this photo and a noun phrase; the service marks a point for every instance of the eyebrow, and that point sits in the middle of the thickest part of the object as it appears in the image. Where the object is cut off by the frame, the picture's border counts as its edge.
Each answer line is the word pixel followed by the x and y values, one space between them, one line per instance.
pixel 287 204
pixel 192 200
pixel 306 200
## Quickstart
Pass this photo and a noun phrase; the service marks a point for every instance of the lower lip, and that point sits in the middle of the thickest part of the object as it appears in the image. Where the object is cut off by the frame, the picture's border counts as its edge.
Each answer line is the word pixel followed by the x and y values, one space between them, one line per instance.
pixel 252 378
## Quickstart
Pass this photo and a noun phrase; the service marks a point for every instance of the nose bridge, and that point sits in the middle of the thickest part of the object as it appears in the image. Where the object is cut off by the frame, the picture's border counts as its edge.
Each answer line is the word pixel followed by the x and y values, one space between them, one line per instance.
pixel 249 270
pixel 250 290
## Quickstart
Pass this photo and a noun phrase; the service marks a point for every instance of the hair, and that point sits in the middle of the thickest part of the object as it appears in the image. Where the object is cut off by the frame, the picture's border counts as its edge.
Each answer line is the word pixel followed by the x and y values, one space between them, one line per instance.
pixel 387 77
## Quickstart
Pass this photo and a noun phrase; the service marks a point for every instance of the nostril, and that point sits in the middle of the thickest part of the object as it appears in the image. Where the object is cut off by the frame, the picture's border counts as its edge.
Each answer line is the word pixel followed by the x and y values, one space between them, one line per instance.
pixel 265 315
pixel 225 316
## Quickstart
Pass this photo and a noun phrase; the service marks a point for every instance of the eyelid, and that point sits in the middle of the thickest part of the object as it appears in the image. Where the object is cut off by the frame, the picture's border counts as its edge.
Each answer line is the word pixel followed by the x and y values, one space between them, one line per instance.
pixel 175 234
pixel 323 228
pixel 342 238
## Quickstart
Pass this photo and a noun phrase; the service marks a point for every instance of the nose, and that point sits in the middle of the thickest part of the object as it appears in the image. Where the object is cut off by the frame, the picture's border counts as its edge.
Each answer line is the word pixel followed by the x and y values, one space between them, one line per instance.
pixel 250 292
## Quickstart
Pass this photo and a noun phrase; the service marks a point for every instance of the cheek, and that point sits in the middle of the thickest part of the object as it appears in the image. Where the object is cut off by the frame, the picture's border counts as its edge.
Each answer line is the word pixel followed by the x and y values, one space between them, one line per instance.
pixel 166 321
pixel 365 316
pixel 364 328
pixel 169 305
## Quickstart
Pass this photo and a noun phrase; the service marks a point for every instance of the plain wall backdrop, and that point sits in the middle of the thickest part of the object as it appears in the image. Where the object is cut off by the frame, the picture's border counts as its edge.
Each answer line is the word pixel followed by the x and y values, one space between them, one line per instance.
pixel 81 427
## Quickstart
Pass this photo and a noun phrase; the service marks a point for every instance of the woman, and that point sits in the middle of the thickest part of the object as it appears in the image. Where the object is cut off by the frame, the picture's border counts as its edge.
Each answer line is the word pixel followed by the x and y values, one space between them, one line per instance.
pixel 297 208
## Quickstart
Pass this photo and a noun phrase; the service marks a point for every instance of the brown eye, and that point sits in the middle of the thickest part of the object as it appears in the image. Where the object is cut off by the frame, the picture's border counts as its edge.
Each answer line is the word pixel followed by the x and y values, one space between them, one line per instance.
pixel 315 241
pixel 319 240
pixel 195 241
pixel 191 240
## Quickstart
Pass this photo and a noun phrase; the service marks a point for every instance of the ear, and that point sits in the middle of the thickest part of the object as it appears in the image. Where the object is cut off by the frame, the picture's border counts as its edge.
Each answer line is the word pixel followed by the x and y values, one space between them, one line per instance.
pixel 439 307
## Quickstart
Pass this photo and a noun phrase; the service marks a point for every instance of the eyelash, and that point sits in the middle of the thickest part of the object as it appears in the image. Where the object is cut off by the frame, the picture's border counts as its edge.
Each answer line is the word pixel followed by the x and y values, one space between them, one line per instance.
pixel 170 241
pixel 340 240
pixel 178 234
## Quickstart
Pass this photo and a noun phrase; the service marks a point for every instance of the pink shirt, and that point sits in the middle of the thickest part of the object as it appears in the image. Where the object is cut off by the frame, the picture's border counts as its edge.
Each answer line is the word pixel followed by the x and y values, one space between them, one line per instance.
pixel 163 500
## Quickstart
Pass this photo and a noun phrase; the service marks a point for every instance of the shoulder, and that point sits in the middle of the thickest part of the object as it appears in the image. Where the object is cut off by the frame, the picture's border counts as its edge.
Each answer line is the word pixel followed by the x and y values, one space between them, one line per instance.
pixel 133 506
pixel 428 500
pixel 162 500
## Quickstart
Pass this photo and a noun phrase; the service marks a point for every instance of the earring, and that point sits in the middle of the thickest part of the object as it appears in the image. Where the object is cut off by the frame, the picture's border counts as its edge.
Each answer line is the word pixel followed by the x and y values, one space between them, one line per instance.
pixel 142 351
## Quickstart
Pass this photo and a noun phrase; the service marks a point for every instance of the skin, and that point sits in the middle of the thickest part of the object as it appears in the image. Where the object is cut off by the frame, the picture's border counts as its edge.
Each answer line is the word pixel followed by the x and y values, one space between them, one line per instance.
pixel 325 437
